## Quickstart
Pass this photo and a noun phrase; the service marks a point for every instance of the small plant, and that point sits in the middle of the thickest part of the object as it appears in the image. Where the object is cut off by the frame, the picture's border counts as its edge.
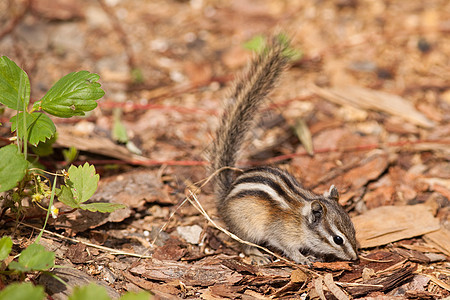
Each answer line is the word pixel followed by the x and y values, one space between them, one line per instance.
pixel 36 258
pixel 73 95
pixel 258 44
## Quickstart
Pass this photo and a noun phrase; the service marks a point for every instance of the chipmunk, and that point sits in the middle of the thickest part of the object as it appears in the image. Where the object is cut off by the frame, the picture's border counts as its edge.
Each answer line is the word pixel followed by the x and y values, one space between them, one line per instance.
pixel 267 205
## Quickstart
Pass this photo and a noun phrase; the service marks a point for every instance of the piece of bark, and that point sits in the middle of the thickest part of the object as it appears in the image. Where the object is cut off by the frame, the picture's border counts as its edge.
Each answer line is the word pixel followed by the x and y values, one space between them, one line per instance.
pixel 202 273
pixel 388 224
pixel 377 261
pixel 226 291
pixel 73 278
pixel 386 282
pixel 163 290
pixel 172 250
pixel 333 266
pixel 239 266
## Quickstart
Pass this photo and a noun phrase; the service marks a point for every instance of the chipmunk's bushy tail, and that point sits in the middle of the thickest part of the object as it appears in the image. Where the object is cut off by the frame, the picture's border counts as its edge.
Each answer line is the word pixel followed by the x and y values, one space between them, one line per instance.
pixel 248 94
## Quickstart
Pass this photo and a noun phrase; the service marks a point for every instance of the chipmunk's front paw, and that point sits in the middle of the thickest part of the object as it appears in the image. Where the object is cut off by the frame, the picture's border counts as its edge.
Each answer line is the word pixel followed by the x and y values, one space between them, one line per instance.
pixel 301 259
pixel 260 259
pixel 257 258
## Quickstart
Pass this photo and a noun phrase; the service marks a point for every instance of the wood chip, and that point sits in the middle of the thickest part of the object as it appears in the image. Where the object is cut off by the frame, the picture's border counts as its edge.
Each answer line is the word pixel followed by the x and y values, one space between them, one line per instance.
pixel 298 276
pixel 256 295
pixel 333 266
pixel 388 224
pixel 318 286
pixel 334 289
pixel 439 282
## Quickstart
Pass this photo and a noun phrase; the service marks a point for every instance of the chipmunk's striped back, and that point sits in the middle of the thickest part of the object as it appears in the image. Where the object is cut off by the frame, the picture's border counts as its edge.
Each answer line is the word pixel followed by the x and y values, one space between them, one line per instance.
pixel 272 184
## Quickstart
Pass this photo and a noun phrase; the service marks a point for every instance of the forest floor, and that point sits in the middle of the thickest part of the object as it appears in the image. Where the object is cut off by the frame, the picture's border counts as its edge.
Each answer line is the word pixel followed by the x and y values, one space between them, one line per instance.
pixel 372 88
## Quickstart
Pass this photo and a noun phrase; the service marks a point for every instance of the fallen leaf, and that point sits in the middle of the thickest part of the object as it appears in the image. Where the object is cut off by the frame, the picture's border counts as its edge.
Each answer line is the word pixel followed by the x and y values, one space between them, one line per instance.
pixel 360 97
pixel 94 143
pixel 304 135
pixel 440 239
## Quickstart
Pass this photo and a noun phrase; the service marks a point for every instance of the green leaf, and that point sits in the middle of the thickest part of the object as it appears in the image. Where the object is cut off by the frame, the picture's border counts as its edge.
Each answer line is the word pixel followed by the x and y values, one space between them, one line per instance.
pixel 103 207
pixel 119 132
pixel 34 258
pixel 72 95
pixel 143 295
pixel 14 85
pixel 40 127
pixel 22 291
pixel 70 154
pixel 291 53
pixel 5 247
pixel 256 44
pixel 137 76
pixel 45 148
pixel 91 291
pixel 84 182
pixel 65 196
pixel 13 167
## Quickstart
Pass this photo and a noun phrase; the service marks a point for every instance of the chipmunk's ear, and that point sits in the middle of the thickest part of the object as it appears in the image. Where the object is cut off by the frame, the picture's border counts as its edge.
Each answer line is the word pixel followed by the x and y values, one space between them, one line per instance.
pixel 317 211
pixel 333 193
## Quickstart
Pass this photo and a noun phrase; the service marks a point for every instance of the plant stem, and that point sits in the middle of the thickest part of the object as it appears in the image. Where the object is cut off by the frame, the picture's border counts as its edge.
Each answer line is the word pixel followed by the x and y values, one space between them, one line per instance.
pixel 48 210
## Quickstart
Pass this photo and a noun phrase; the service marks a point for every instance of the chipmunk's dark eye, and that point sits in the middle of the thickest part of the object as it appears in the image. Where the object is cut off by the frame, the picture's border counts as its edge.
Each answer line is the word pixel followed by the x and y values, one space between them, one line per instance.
pixel 338 240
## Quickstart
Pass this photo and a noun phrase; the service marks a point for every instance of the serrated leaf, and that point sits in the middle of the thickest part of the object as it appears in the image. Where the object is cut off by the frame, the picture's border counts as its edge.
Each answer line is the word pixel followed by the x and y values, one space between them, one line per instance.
pixel 45 148
pixel 103 207
pixel 40 127
pixel 5 247
pixel 90 291
pixel 14 85
pixel 13 167
pixel 34 258
pixel 22 291
pixel 84 182
pixel 65 196
pixel 143 295
pixel 72 95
